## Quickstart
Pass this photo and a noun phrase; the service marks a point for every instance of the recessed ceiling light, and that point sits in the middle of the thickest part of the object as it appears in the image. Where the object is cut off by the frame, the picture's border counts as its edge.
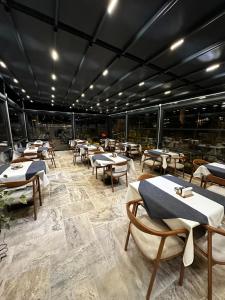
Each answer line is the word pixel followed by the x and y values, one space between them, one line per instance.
pixel 70 107
pixel 53 76
pixel 77 100
pixel 202 97
pixel 23 91
pixel 176 44
pixel 120 94
pixel 52 104
pixel 212 67
pixel 73 104
pixel 15 80
pixel 53 88
pixel 115 107
pixel 52 100
pixel 31 101
pixel 107 100
pixel 167 92
pixel 3 65
pixel 53 96
pixel 127 103
pixel 143 99
pixel 98 104
pixel 82 95
pixel 105 73
pixel 141 83
pixel 112 6
pixel 91 87
pixel 54 55
pixel 28 97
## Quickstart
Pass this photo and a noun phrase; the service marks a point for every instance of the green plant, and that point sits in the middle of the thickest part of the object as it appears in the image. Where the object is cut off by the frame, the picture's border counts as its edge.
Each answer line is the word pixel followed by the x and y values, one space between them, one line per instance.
pixel 6 200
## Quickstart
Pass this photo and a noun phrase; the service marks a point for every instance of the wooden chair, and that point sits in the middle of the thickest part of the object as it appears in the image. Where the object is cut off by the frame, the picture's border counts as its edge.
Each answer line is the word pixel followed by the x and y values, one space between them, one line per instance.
pixel 177 164
pixel 154 239
pixel 133 151
pixel 112 145
pixel 76 154
pixel 48 156
pixel 153 161
pixel 145 176
pixel 32 155
pixel 29 188
pixel 115 174
pixel 212 247
pixel 217 184
pixel 196 164
pixel 21 159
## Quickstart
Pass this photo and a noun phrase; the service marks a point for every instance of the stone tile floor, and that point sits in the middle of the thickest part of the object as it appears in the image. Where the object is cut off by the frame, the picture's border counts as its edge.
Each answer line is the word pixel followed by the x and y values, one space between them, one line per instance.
pixel 75 248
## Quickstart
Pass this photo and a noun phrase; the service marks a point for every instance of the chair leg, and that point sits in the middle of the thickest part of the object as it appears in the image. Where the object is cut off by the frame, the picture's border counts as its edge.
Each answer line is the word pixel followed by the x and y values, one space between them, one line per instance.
pixel 39 191
pixel 191 177
pixel 96 172
pixel 156 265
pixel 127 238
pixel 112 184
pixel 54 162
pixel 126 180
pixel 182 268
pixel 209 265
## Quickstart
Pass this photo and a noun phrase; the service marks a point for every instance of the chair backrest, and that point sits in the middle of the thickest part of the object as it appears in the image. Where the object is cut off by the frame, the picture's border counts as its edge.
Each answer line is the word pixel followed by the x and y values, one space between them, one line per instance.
pixel 145 176
pixel 16 184
pixel 199 162
pixel 215 179
pixel 134 220
pixel 152 156
pixel 119 166
pixel 21 159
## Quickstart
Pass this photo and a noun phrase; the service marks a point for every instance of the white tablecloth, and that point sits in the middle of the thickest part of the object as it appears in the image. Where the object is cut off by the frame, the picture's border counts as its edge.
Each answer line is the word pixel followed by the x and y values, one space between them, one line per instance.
pixel 213 210
pixel 203 171
pixel 20 174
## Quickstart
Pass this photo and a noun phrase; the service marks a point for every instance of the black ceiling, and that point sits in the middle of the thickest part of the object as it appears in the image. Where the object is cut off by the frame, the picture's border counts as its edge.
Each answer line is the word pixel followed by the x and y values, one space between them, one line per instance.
pixel 133 43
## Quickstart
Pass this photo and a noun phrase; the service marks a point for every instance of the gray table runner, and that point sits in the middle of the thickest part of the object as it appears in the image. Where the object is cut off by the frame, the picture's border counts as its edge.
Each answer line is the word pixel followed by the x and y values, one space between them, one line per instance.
pixel 217 171
pixel 161 205
pixel 101 157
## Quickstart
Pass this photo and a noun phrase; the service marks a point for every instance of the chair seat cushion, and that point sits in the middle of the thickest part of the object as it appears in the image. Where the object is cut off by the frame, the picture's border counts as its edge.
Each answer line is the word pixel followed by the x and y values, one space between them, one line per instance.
pixel 218 246
pixel 217 189
pixel 15 194
pixel 178 166
pixel 115 174
pixel 133 152
pixel 149 244
pixel 151 163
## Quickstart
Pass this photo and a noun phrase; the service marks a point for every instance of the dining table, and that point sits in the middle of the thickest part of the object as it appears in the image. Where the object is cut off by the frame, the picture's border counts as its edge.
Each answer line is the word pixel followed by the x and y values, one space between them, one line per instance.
pixel 215 168
pixel 24 171
pixel 162 201
pixel 164 154
pixel 107 159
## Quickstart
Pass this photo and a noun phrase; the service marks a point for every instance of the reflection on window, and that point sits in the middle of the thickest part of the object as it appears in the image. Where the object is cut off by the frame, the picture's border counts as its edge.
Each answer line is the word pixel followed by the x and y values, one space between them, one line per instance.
pixel 17 124
pixel 91 128
pixel 198 131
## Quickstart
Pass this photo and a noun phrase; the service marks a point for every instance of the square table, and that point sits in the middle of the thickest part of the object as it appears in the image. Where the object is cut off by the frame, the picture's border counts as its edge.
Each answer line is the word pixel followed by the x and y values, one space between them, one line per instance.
pixel 28 170
pixel 163 154
pixel 216 169
pixel 106 159
pixel 177 212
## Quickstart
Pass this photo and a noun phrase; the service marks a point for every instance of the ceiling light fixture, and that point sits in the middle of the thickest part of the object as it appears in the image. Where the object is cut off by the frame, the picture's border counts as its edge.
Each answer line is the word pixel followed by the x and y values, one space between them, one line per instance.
pixel 52 100
pixel 23 91
pixel 105 73
pixel 176 44
pixel 167 92
pixel 54 55
pixel 53 88
pixel 112 6
pixel 202 97
pixel 115 107
pixel 3 65
pixel 141 83
pixel 143 99
pixel 212 67
pixel 91 87
pixel 77 100
pixel 28 97
pixel 53 76
pixel 120 94
pixel 127 104
pixel 15 80
pixel 98 104
pixel 107 100
pixel 31 101
pixel 82 95
pixel 52 104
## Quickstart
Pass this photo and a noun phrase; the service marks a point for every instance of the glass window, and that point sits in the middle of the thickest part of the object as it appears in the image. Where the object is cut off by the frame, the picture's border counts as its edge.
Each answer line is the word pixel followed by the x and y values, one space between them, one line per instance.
pixel 142 128
pixel 17 124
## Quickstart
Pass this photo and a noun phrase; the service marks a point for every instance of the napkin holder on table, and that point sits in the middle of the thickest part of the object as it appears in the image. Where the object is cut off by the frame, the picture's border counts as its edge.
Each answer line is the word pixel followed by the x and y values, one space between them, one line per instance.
pixel 184 192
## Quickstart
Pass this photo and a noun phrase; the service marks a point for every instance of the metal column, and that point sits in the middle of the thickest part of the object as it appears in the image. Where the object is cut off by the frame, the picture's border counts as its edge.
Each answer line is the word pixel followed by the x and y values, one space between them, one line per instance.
pixel 10 137
pixel 25 124
pixel 126 126
pixel 73 126
pixel 159 126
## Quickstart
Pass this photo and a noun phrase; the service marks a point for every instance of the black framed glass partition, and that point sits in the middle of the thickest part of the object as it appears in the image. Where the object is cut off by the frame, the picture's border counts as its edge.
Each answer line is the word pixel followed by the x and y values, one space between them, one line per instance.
pixel 90 127
pixel 46 125
pixel 142 128
pixel 198 131
pixel 118 127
